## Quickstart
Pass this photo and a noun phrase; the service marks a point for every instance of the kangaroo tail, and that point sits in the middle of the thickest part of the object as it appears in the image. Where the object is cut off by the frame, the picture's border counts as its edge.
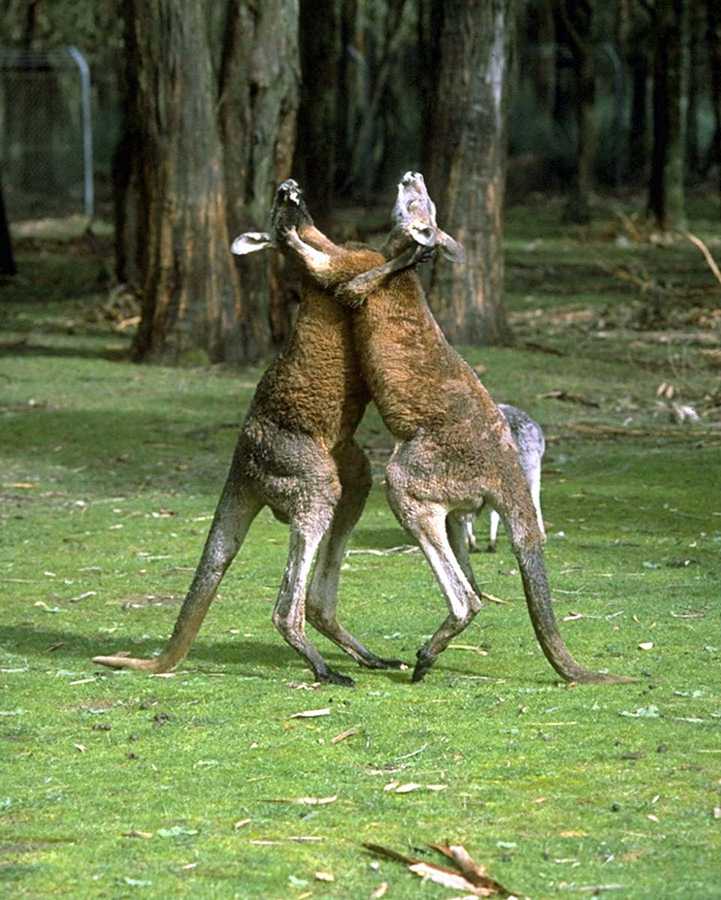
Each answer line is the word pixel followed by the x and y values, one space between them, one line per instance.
pixel 540 608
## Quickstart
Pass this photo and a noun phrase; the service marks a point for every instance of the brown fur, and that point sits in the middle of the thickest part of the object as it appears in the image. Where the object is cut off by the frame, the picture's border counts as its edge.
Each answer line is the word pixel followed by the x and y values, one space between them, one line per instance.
pixel 295 454
pixel 454 448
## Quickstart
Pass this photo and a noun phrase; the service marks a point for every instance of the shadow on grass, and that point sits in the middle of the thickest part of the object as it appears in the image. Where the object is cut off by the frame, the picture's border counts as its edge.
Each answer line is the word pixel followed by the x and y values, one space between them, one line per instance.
pixel 272 656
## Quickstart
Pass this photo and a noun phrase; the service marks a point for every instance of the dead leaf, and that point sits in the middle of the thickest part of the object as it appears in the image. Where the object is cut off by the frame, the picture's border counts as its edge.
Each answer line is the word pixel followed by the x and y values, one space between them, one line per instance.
pixel 573 617
pixel 479 650
pixel 407 788
pixel 81 748
pixel 311 713
pixel 472 879
pixel 316 801
pixel 380 891
pixel 349 732
pixel 324 876
pixel 445 877
pixel 146 835
pixel 572 834
pixel 717 812
pixel 646 645
pixel 241 823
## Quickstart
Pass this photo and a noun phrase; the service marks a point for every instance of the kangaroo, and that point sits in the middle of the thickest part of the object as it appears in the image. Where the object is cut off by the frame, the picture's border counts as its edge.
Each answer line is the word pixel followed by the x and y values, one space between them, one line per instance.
pixel 454 449
pixel 296 454
pixel 531 443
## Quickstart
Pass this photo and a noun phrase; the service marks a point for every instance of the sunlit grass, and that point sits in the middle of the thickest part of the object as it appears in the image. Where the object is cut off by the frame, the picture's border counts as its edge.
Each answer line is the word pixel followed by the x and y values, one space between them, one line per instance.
pixel 117 784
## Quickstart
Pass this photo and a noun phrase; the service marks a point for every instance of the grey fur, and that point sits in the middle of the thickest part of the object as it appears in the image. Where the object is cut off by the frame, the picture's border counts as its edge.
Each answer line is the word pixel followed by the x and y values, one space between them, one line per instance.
pixel 531 443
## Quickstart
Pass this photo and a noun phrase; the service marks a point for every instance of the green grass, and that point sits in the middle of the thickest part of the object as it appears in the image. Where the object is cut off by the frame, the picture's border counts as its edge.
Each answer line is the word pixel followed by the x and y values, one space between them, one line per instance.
pixel 122 785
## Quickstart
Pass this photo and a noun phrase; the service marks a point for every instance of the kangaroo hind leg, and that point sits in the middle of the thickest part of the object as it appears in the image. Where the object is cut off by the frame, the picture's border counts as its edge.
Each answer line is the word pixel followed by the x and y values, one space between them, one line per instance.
pixel 322 600
pixel 233 516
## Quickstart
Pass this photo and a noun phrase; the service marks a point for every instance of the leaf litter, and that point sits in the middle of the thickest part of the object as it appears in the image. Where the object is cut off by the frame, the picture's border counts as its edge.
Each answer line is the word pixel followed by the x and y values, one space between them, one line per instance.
pixel 467 875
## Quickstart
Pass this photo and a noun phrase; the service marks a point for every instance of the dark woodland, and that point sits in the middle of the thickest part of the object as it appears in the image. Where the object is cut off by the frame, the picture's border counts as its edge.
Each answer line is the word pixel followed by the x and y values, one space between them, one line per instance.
pixel 201 110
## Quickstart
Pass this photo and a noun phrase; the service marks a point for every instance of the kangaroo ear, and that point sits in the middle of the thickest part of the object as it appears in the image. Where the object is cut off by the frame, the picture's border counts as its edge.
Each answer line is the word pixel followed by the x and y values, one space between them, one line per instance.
pixel 425 235
pixel 250 242
pixel 451 249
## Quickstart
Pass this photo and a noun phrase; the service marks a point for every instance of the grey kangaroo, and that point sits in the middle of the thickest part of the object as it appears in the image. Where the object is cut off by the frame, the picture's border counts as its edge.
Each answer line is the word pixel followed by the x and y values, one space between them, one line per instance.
pixel 296 454
pixel 454 450
pixel 531 443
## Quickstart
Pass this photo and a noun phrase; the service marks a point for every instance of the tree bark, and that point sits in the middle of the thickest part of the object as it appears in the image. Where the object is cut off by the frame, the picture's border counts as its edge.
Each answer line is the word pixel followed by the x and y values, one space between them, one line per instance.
pixel 713 36
pixel 195 305
pixel 577 17
pixel 7 260
pixel 467 158
pixel 695 81
pixel 666 187
pixel 258 90
pixel 315 160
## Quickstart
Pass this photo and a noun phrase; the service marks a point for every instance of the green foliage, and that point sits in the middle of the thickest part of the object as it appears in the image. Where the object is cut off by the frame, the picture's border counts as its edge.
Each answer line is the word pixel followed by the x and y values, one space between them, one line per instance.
pixel 118 784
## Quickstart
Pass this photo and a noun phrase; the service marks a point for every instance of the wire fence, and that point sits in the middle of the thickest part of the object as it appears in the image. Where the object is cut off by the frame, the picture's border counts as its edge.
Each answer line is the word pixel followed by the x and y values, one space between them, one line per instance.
pixel 46 136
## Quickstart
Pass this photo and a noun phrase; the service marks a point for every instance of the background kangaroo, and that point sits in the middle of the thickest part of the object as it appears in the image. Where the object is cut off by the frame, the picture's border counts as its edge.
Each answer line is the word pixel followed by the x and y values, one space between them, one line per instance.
pixel 454 449
pixel 528 438
pixel 295 454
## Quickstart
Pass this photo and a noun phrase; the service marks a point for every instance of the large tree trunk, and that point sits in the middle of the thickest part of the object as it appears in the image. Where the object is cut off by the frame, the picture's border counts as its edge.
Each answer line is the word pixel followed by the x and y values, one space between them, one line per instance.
pixel 191 301
pixel 7 260
pixel 696 73
pixel 577 18
pixel 713 21
pixel 467 156
pixel 666 188
pixel 258 91
pixel 315 159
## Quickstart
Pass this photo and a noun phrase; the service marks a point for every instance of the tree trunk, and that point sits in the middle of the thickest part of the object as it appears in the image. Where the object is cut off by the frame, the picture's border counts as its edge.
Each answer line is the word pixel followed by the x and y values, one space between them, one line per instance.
pixel 713 34
pixel 577 17
pixel 638 126
pixel 7 260
pixel 315 160
pixel 666 188
pixel 695 81
pixel 467 174
pixel 192 307
pixel 258 91
pixel 349 92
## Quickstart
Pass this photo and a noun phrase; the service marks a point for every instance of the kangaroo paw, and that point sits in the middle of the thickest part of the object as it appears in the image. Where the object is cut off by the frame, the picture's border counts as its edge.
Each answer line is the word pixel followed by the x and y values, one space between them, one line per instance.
pixel 332 677
pixel 423 665
pixel 120 661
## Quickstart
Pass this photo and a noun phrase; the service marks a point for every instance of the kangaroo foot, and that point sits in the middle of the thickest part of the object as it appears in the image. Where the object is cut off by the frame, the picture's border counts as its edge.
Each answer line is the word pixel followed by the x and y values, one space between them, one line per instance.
pixel 329 676
pixel 424 663
pixel 378 662
pixel 120 661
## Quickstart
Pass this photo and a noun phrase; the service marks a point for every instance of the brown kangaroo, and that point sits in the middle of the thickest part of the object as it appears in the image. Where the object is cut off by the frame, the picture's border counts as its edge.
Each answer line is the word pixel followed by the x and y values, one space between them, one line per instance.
pixel 454 449
pixel 295 454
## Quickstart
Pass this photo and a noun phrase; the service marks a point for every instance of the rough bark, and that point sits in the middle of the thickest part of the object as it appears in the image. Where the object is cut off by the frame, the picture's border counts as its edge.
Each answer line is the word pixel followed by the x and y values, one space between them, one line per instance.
pixel 695 85
pixel 713 36
pixel 666 187
pixel 467 166
pixel 7 260
pixel 258 90
pixel 315 160
pixel 577 18
pixel 192 306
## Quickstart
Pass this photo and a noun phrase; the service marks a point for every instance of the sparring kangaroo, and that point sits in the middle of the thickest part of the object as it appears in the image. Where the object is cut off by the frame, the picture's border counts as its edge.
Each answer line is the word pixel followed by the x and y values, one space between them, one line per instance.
pixel 454 449
pixel 295 454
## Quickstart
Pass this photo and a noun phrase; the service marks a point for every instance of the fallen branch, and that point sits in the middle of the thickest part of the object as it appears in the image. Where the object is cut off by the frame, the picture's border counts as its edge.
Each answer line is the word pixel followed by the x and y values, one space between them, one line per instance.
pixel 710 261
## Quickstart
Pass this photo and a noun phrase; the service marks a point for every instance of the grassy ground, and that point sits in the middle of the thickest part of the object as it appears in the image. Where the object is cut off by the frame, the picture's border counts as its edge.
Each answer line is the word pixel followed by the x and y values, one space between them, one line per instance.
pixel 121 785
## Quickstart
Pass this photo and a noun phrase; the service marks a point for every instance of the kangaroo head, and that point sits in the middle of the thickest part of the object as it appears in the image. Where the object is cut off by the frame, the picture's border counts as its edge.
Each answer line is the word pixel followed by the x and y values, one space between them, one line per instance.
pixel 414 220
pixel 289 211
